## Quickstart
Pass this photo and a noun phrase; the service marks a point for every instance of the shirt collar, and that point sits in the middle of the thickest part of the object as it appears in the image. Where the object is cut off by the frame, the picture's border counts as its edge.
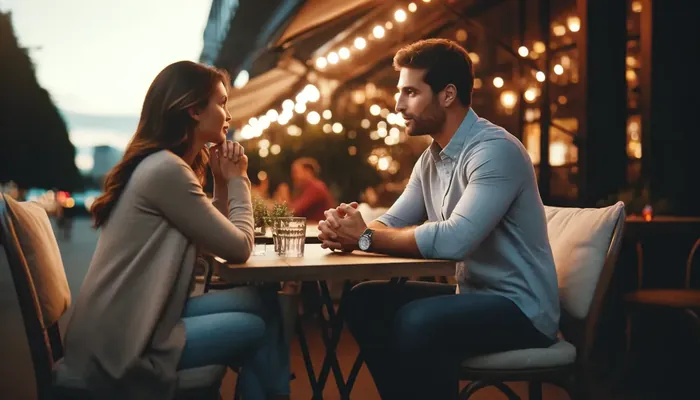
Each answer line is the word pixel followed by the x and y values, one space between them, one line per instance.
pixel 456 144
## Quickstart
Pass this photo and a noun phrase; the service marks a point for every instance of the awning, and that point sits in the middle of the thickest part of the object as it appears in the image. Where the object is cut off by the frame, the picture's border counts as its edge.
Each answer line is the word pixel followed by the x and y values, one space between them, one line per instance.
pixel 262 91
pixel 316 13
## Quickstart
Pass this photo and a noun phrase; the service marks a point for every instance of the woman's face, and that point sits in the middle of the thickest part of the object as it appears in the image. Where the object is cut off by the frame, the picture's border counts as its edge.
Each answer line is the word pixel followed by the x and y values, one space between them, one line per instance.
pixel 212 121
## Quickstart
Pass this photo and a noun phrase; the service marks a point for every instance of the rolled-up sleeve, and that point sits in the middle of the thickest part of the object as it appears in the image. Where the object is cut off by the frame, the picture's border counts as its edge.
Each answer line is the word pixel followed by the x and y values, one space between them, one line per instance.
pixel 409 208
pixel 495 173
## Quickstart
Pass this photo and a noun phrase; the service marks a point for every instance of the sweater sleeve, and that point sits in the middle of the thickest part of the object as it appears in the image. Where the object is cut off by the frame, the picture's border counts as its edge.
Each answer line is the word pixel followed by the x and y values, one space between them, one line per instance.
pixel 173 190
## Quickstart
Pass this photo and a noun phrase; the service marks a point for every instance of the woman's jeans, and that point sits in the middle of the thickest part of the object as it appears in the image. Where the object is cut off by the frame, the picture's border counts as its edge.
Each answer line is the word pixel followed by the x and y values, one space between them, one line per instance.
pixel 239 328
pixel 414 337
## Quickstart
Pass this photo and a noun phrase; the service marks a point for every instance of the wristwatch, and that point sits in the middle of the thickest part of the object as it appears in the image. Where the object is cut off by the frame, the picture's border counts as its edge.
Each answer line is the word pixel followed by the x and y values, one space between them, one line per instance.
pixel 365 241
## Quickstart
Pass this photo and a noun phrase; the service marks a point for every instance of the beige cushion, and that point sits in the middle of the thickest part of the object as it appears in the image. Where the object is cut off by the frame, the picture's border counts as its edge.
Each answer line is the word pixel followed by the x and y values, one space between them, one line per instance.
pixel 559 354
pixel 580 238
pixel 38 243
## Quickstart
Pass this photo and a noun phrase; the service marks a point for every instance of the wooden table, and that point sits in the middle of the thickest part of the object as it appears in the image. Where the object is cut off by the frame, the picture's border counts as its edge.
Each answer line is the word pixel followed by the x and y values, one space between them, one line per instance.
pixel 322 265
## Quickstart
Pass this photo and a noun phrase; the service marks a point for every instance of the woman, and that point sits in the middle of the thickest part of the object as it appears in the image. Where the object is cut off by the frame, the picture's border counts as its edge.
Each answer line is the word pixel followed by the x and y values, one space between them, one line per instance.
pixel 133 325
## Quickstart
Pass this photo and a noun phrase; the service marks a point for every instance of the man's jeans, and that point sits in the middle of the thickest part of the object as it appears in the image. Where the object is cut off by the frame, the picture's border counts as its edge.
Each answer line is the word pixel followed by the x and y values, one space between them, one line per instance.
pixel 413 337
pixel 239 328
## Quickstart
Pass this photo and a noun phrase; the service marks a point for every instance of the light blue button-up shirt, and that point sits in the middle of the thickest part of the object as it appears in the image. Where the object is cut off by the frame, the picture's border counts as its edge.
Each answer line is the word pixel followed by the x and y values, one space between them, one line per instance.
pixel 479 195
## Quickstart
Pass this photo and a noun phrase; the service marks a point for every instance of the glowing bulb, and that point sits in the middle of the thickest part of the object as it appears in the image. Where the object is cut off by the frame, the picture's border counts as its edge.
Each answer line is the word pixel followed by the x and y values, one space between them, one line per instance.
pixel 539 47
pixel 360 43
pixel 558 69
pixel 559 30
pixel 327 114
pixel 523 51
pixel 540 76
pixel 313 118
pixel 530 95
pixel 275 149
pixel 375 109
pixel 344 53
pixel 400 15
pixel 378 32
pixel 498 82
pixel 337 127
pixel 412 7
pixel 321 63
pixel 574 23
pixel 508 99
pixel 637 6
pixel 332 57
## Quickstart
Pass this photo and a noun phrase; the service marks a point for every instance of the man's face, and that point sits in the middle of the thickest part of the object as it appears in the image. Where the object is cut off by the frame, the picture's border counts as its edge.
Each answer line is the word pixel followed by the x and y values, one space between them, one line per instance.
pixel 420 108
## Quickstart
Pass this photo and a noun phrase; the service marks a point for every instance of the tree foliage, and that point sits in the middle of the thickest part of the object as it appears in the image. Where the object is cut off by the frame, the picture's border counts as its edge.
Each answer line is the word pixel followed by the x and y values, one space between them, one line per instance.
pixel 35 150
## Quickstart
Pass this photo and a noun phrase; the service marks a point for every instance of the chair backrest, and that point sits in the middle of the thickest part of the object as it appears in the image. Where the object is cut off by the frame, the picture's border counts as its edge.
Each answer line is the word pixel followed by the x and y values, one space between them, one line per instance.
pixel 585 244
pixel 40 282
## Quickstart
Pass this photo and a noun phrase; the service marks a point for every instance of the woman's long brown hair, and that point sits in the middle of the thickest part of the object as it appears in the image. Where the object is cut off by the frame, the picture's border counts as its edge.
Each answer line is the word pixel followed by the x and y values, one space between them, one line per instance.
pixel 165 124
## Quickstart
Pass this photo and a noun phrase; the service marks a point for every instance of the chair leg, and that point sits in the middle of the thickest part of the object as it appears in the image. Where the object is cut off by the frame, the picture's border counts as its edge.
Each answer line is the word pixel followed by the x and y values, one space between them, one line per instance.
pixel 237 393
pixel 474 386
pixel 534 390
pixel 579 389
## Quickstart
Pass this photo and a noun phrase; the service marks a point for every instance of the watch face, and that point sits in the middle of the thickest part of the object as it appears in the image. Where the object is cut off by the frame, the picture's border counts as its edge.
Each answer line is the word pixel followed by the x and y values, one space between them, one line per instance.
pixel 363 243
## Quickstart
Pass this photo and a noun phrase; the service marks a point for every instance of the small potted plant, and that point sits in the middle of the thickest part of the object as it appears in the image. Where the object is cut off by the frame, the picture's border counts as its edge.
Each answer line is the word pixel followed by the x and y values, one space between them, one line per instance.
pixel 264 217
pixel 261 216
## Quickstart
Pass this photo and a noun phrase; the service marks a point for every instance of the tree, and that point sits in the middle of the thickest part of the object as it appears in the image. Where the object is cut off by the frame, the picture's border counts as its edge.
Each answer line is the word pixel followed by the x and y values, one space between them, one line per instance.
pixel 35 150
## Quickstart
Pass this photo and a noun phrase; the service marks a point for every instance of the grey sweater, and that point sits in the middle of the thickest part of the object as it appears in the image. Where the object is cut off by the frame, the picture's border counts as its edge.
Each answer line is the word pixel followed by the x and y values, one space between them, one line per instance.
pixel 125 336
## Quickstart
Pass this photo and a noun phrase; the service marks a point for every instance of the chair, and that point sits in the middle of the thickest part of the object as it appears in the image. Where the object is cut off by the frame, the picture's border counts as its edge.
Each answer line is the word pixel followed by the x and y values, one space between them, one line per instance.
pixel 33 258
pixel 585 244
pixel 685 300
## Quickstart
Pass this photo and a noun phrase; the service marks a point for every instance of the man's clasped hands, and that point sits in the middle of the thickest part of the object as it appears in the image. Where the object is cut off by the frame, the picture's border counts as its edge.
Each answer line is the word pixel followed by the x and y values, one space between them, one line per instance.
pixel 342 227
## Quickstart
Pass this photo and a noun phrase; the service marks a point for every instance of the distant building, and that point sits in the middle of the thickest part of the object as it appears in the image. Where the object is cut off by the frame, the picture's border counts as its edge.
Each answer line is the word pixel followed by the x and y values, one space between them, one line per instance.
pixel 105 157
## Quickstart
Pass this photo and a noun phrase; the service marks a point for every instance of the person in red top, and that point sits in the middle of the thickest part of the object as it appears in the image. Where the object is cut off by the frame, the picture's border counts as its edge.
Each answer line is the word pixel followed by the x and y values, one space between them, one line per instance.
pixel 312 196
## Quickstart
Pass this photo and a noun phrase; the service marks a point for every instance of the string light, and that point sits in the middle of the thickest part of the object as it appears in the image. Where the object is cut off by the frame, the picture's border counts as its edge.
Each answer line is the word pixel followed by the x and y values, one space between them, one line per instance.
pixel 378 32
pixel 574 23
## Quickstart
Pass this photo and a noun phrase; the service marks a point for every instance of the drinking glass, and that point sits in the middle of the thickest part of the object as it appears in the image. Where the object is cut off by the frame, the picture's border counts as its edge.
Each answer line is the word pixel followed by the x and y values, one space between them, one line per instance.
pixel 289 235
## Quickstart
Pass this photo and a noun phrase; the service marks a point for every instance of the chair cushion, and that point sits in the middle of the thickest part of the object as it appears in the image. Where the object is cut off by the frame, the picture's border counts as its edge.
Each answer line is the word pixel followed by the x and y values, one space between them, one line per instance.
pixel 580 239
pixel 200 378
pixel 560 354
pixel 38 243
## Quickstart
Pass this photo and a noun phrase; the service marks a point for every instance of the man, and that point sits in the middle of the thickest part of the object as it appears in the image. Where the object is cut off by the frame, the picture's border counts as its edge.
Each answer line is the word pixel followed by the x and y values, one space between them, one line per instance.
pixel 312 195
pixel 476 187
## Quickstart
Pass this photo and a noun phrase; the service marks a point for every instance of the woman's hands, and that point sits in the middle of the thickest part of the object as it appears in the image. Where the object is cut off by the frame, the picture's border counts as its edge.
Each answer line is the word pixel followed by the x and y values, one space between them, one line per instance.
pixel 228 160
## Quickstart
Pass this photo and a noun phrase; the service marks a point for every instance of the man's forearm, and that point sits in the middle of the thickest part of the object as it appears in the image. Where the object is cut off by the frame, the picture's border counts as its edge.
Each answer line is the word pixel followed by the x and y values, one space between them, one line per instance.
pixel 393 241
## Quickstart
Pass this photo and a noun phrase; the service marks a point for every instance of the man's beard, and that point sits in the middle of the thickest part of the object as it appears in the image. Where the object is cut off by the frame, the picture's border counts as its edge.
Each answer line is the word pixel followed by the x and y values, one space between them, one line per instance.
pixel 429 122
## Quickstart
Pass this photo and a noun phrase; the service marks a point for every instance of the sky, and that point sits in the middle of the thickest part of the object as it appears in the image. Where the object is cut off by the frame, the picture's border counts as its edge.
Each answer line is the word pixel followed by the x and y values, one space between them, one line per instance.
pixel 98 57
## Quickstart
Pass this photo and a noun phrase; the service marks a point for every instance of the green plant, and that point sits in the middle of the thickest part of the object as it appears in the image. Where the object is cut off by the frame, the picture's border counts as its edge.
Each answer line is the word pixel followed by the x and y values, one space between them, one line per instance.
pixel 260 212
pixel 279 210
pixel 264 216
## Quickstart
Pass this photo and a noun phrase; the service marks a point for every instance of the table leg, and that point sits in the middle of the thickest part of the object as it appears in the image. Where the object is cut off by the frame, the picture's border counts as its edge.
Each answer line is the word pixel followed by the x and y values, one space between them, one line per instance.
pixel 331 330
pixel 331 339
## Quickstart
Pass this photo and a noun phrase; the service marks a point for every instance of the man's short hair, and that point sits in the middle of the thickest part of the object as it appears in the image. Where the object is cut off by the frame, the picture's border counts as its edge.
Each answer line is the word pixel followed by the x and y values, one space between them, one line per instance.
pixel 309 164
pixel 445 62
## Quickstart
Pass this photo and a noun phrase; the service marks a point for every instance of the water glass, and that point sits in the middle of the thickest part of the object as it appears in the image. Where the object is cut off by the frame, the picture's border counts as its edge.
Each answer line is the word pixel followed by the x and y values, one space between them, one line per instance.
pixel 289 236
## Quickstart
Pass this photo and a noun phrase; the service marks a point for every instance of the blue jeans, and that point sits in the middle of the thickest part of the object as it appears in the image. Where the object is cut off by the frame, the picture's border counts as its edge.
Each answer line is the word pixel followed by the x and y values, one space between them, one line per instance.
pixel 239 328
pixel 413 337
